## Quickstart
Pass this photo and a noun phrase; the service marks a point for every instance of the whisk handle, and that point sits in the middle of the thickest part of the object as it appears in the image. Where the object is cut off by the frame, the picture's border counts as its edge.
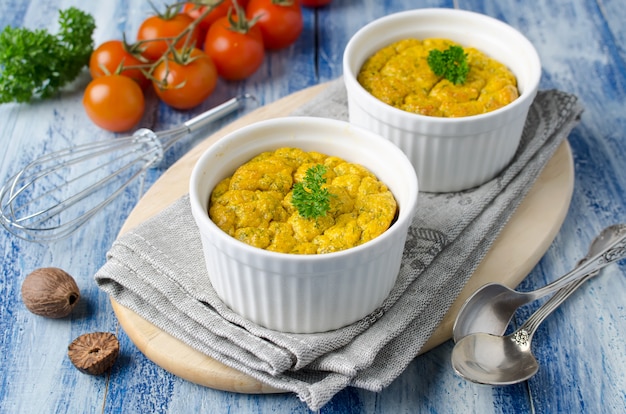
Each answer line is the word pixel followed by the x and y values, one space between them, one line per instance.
pixel 217 112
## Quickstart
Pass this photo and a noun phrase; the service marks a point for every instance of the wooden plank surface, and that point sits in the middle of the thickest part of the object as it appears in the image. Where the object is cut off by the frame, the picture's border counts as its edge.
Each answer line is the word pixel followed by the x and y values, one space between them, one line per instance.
pixel 580 347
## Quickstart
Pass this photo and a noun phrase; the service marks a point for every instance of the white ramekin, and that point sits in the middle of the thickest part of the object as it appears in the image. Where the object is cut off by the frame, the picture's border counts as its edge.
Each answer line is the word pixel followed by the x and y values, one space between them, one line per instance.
pixel 449 154
pixel 303 293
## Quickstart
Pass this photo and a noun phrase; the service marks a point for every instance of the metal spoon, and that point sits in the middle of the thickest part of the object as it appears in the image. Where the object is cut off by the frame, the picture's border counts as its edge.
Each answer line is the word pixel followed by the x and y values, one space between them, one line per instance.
pixel 491 307
pixel 503 360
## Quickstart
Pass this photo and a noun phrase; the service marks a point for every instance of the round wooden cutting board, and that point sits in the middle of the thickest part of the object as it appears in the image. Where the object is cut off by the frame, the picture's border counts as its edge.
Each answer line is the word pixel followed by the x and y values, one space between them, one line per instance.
pixel 516 251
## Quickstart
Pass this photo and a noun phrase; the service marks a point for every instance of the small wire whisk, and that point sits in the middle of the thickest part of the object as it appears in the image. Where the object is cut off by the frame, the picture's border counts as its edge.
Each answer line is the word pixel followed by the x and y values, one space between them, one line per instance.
pixel 55 194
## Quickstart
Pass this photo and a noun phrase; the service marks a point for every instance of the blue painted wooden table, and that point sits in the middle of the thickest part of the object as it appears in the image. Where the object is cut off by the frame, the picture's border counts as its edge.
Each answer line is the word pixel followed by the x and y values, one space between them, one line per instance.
pixel 581 347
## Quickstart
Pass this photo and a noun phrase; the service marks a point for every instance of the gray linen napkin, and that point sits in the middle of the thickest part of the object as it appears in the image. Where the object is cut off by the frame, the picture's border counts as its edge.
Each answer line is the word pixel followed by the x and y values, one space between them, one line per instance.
pixel 157 270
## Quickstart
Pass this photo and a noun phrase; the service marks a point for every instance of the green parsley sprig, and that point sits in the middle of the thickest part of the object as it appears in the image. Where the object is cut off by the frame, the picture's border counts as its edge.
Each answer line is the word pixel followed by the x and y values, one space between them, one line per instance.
pixel 309 198
pixel 450 63
pixel 36 63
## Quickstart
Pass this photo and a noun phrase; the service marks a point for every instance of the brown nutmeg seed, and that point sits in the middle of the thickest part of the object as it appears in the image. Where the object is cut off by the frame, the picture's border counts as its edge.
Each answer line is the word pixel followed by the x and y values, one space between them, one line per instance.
pixel 50 292
pixel 94 353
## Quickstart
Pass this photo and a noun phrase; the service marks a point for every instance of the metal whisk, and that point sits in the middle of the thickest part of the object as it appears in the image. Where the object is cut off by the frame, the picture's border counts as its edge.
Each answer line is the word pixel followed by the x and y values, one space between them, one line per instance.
pixel 55 194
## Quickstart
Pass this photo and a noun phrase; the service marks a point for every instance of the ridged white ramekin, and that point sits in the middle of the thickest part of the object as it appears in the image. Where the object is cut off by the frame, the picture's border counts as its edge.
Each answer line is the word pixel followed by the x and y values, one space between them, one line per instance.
pixel 449 154
pixel 304 293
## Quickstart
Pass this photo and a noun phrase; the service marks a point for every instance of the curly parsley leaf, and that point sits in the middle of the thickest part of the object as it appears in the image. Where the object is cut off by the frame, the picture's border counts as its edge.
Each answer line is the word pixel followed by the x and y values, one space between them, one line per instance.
pixel 36 63
pixel 451 64
pixel 309 198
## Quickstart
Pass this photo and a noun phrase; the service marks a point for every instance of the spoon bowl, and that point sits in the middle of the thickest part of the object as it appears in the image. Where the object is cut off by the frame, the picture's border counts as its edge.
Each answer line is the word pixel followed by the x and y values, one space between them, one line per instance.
pixel 493 360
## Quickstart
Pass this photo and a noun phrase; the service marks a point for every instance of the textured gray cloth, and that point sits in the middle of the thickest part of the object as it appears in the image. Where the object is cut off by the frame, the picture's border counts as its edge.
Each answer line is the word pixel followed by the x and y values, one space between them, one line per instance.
pixel 158 271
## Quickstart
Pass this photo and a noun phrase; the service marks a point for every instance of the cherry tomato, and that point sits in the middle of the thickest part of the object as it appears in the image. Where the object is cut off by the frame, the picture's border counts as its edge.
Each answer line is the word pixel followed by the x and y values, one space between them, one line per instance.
pixel 160 27
pixel 221 10
pixel 237 51
pixel 185 80
pixel 107 59
pixel 280 21
pixel 114 102
pixel 314 3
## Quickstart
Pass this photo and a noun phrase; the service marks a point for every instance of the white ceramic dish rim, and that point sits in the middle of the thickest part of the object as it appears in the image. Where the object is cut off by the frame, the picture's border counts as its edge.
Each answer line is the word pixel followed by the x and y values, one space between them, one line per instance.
pixel 387 23
pixel 198 206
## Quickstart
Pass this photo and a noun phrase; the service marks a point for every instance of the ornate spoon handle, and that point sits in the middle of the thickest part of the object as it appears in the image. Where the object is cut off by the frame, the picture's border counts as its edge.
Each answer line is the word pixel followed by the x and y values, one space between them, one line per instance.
pixel 523 335
pixel 615 251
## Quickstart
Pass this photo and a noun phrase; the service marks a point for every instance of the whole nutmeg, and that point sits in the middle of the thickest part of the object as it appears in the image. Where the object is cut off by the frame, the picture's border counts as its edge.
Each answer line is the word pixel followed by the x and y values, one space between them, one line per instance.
pixel 50 292
pixel 94 353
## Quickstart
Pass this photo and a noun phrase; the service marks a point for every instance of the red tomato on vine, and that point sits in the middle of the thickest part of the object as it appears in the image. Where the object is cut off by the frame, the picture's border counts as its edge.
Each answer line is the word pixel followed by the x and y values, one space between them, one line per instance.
pixel 221 10
pixel 185 79
pixel 236 46
pixel 280 21
pixel 155 30
pixel 113 55
pixel 114 102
